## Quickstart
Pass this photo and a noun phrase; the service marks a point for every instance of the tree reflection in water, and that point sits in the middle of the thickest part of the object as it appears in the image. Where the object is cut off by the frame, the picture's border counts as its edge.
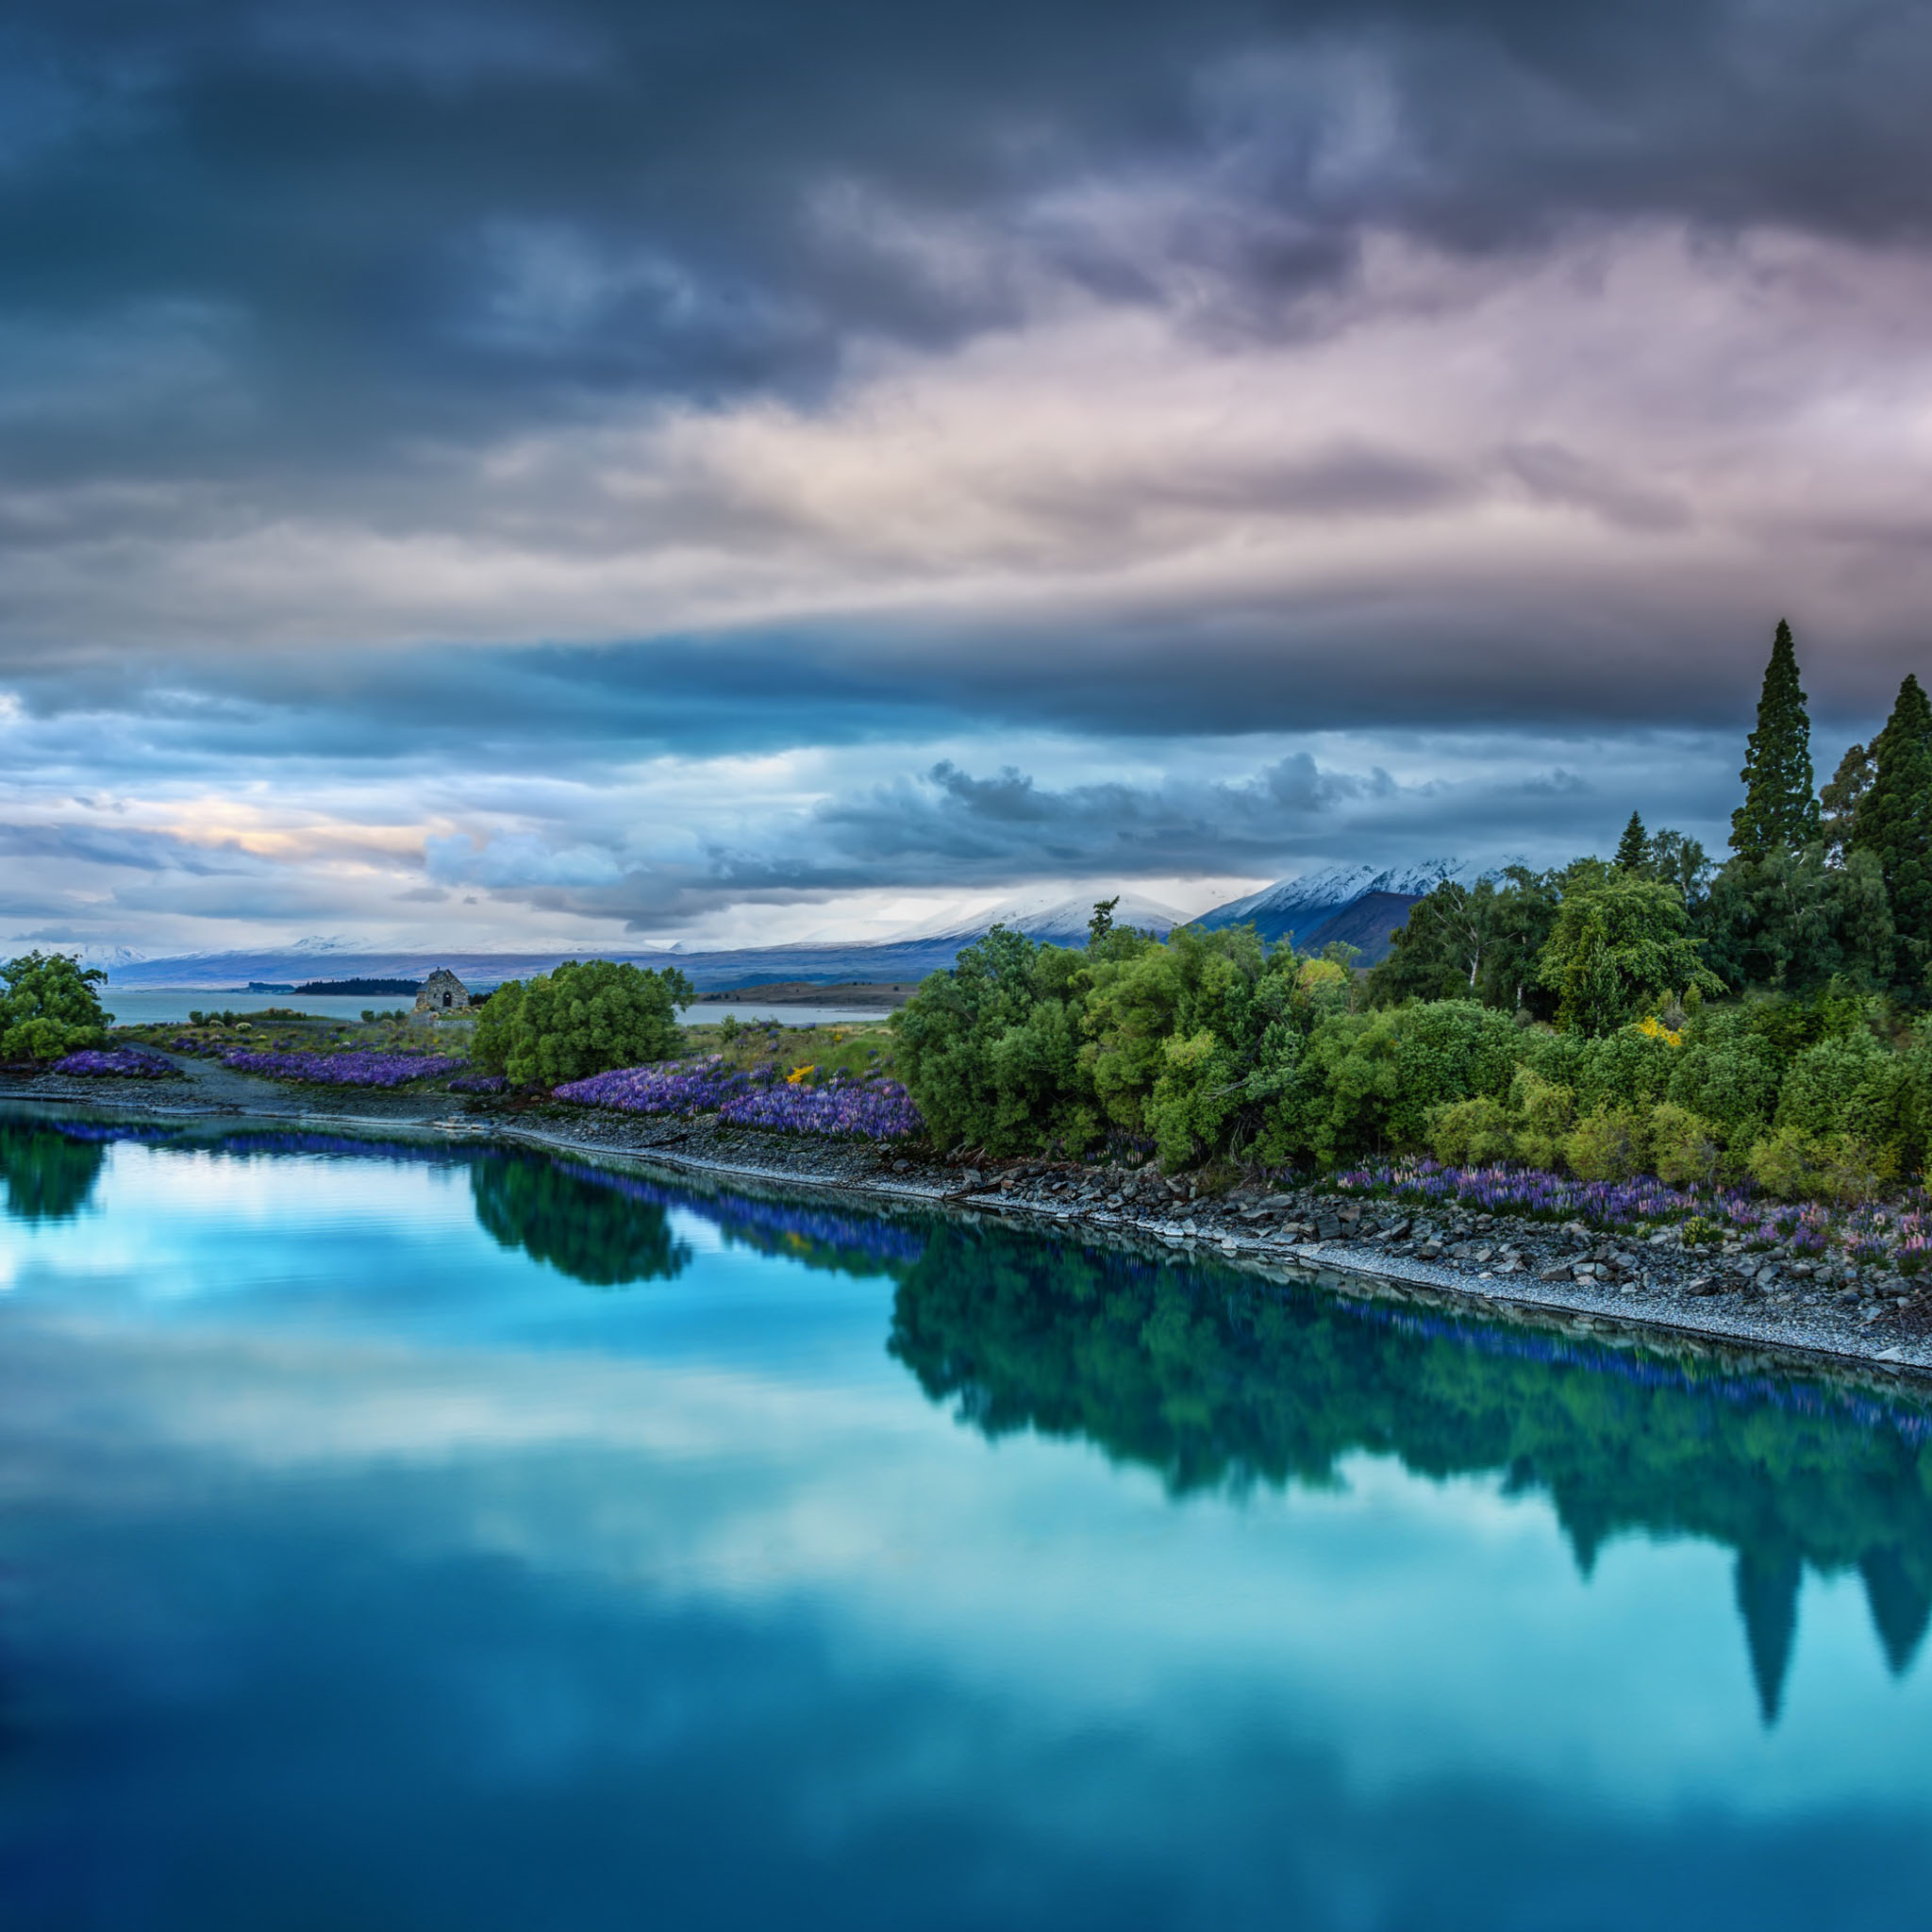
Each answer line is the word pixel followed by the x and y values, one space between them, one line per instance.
pixel 576 1220
pixel 50 1167
pixel 1220 1381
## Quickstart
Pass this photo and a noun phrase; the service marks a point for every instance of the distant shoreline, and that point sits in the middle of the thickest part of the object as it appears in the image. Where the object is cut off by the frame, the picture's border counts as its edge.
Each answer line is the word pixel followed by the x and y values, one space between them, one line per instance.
pixel 886 994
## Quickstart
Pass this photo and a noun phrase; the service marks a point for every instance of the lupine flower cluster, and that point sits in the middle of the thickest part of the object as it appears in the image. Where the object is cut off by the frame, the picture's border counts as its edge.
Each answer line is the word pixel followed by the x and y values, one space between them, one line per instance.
pixel 125 1062
pixel 1899 1233
pixel 874 1109
pixel 358 1067
pixel 478 1083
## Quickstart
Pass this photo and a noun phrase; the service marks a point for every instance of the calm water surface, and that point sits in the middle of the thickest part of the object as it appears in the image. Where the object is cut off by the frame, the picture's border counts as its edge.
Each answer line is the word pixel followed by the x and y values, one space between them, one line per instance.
pixel 418 1537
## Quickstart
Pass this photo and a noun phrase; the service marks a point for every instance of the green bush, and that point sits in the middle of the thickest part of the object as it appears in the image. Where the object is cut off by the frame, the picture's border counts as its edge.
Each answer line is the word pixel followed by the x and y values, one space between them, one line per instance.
pixel 1471 1132
pixel 1684 1149
pixel 990 1052
pixel 1607 1145
pixel 48 1007
pixel 1543 1112
pixel 1728 1076
pixel 1448 1051
pixel 1781 1164
pixel 583 1018
pixel 1850 1085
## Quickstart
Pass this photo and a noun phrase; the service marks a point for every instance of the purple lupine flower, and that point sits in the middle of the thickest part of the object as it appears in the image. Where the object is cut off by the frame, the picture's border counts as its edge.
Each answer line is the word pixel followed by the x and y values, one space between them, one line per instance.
pixel 125 1062
pixel 358 1067
pixel 874 1108
pixel 1867 1232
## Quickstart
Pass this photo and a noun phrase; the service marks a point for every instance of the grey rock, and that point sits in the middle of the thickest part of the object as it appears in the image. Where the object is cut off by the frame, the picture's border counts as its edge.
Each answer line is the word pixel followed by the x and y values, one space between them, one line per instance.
pixel 1554 1271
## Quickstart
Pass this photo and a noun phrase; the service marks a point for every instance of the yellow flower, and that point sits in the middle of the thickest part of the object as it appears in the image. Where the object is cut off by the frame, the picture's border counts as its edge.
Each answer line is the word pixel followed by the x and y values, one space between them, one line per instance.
pixel 797 1074
pixel 1653 1029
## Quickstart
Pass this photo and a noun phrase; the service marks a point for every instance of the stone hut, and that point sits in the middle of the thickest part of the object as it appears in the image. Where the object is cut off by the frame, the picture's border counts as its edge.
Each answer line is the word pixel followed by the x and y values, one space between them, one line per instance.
pixel 443 992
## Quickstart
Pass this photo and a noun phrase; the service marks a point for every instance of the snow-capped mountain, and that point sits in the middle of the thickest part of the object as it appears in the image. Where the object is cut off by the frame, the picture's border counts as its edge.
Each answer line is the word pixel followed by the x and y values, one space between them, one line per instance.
pixel 106 956
pixel 1302 906
pixel 1058 921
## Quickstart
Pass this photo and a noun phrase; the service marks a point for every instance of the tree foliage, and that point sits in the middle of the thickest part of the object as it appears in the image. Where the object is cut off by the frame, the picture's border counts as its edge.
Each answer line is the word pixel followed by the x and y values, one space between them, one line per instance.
pixel 1621 945
pixel 1895 823
pixel 1633 848
pixel 1570 1017
pixel 1780 812
pixel 583 1018
pixel 48 1007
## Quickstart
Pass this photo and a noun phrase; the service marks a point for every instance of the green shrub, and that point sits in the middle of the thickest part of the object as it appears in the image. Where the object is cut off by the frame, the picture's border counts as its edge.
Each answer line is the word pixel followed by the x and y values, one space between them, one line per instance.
pixel 1839 1167
pixel 1544 1113
pixel 1446 1051
pixel 991 1052
pixel 1850 1169
pixel 48 1007
pixel 1728 1075
pixel 1345 1087
pixel 1193 1096
pixel 1684 1150
pixel 1471 1132
pixel 1606 1145
pixel 1850 1085
pixel 583 1018
pixel 1780 1163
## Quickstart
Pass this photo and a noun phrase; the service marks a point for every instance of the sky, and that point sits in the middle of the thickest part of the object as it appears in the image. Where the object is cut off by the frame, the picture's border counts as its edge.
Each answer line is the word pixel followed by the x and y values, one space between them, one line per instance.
pixel 609 474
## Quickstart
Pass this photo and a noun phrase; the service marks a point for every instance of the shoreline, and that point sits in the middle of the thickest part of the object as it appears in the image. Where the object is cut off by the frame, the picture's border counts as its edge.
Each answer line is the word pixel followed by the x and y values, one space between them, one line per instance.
pixel 1811 1340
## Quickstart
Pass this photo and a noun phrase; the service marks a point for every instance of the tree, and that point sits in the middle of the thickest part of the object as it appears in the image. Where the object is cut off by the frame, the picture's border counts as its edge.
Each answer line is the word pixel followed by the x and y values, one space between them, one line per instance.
pixel 1680 861
pixel 583 1018
pixel 1841 799
pixel 1780 812
pixel 1619 946
pixel 1633 848
pixel 48 1007
pixel 990 1051
pixel 1102 923
pixel 1895 823
pixel 1437 952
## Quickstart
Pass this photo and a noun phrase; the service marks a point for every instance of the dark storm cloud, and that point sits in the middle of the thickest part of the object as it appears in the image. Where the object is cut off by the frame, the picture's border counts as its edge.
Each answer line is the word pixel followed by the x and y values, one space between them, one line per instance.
pixel 403 403
pixel 416 219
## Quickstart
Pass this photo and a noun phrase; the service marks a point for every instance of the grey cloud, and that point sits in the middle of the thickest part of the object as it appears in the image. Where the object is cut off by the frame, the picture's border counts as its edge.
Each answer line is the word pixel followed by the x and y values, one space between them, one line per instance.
pixel 1563 475
pixel 134 851
pixel 397 232
pixel 954 829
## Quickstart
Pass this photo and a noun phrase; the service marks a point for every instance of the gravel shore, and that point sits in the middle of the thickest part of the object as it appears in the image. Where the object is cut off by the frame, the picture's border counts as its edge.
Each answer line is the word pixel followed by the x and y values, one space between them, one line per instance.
pixel 1633 1282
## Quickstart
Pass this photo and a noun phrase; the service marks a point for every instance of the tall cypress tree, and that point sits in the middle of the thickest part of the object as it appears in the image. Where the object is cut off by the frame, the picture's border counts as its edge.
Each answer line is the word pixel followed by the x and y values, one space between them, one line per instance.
pixel 1633 848
pixel 1895 824
pixel 1780 810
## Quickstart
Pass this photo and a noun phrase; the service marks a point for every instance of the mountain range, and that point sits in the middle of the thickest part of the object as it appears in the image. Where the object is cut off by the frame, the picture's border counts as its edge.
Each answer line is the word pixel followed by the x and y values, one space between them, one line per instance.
pixel 1360 905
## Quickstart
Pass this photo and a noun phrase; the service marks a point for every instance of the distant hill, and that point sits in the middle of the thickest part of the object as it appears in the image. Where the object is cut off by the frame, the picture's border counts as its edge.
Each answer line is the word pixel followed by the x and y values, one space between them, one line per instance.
pixel 359 988
pixel 909 957
pixel 1365 926
pixel 1360 905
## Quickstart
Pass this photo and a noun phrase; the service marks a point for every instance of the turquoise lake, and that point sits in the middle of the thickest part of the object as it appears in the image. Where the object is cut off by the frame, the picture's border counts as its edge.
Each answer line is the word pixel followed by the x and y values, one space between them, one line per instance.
pixel 415 1536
